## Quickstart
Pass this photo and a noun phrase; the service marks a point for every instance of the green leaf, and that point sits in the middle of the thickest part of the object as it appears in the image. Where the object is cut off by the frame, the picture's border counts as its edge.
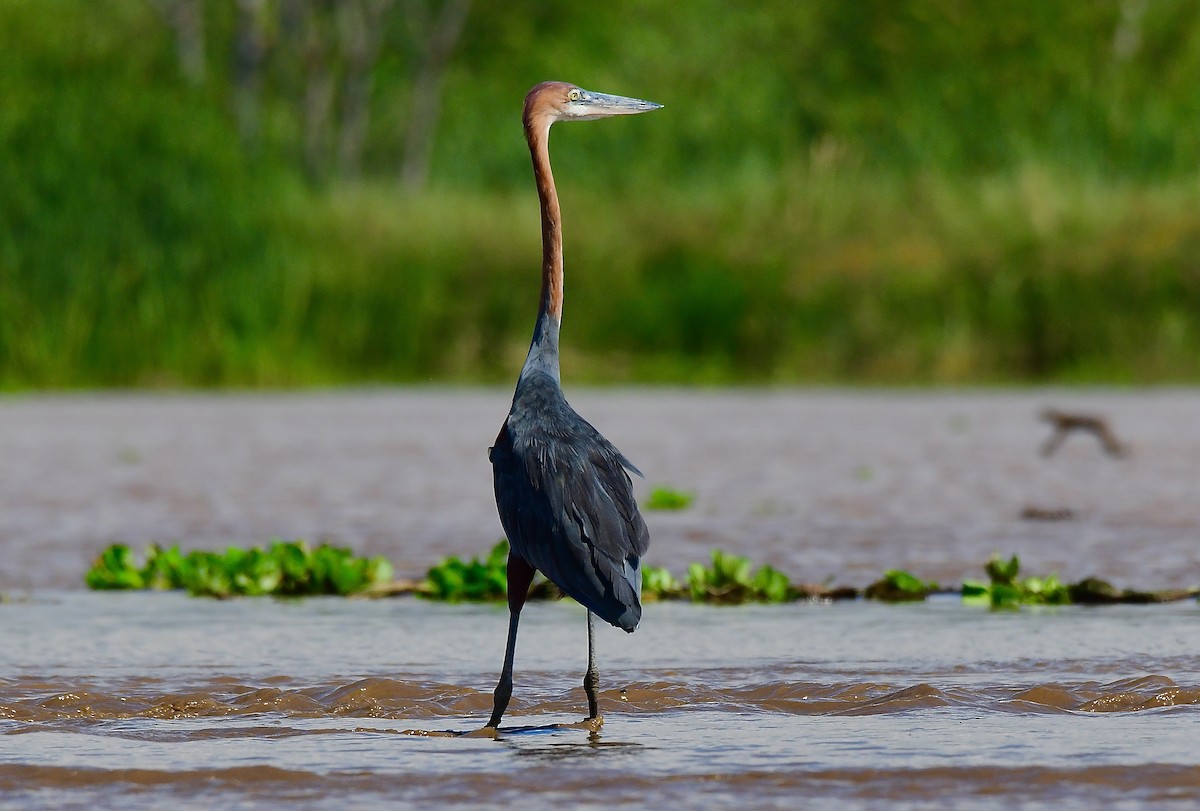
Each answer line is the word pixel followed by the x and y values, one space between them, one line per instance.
pixel 379 571
pixel 1005 596
pixel 1006 591
pixel 206 575
pixel 664 498
pixel 115 568
pixel 976 593
pixel 164 568
pixel 697 580
pixel 771 585
pixel 657 582
pixel 285 568
pixel 728 570
pixel 1001 571
pixel 346 576
pixel 487 579
pixel 902 580
pixel 732 579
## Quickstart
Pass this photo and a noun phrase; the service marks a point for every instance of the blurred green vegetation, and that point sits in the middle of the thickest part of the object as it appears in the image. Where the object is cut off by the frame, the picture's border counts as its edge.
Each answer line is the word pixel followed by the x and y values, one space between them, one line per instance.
pixel 285 568
pixel 293 569
pixel 1004 590
pixel 666 498
pixel 454 580
pixel 900 586
pixel 729 580
pixel 878 191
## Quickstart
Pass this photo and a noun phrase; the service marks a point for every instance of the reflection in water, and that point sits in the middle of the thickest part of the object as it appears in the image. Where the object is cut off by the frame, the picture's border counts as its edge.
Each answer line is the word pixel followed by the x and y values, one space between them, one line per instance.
pixel 593 745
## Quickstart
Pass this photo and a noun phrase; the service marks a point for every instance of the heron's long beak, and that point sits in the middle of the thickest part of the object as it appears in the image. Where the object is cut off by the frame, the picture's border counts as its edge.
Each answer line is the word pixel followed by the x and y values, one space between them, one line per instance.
pixel 599 105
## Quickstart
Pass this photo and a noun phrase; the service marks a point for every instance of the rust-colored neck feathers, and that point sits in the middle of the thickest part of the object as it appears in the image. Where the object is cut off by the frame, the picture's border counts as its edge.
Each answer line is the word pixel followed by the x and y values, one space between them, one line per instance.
pixel 539 114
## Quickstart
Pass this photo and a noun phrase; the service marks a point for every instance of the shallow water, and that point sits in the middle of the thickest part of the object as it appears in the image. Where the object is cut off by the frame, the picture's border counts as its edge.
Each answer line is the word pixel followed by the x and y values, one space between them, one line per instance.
pixel 823 484
pixel 145 700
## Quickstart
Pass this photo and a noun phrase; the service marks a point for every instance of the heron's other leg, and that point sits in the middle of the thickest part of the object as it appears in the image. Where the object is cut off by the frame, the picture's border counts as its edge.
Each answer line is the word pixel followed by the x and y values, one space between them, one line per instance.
pixel 520 575
pixel 591 679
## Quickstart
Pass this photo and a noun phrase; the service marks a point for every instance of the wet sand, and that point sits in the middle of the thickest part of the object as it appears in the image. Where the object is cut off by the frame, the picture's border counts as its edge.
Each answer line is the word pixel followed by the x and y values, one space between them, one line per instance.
pixel 824 484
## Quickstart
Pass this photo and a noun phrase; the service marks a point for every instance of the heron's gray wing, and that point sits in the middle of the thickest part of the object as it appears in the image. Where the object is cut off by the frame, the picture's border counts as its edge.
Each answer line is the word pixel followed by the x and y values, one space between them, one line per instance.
pixel 567 505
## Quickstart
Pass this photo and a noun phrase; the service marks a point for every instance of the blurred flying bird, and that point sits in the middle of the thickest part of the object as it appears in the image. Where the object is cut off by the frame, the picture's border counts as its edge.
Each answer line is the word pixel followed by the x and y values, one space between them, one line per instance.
pixel 564 497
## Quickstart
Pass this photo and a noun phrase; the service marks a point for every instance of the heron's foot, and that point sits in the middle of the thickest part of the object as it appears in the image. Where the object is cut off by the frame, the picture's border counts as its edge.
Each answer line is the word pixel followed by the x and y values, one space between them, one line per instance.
pixel 592 724
pixel 488 731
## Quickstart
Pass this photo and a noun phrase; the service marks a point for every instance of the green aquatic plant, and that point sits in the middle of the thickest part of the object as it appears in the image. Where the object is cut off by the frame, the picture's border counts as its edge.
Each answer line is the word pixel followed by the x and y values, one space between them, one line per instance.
pixel 285 568
pixel 479 580
pixel 771 585
pixel 293 568
pixel 897 586
pixel 665 498
pixel 115 568
pixel 288 569
pixel 1005 590
pixel 164 568
pixel 729 580
pixel 455 580
pixel 659 584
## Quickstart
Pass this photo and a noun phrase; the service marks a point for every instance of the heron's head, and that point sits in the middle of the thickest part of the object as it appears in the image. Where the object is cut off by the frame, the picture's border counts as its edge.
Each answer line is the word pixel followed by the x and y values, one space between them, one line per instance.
pixel 561 101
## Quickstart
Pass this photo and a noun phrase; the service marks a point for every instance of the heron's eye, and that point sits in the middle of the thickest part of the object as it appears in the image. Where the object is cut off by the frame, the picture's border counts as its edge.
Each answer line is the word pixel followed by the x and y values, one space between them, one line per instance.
pixel 573 95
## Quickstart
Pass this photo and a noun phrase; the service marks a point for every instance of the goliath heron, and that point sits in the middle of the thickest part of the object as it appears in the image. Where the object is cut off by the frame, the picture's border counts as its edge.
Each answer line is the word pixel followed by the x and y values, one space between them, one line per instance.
pixel 562 491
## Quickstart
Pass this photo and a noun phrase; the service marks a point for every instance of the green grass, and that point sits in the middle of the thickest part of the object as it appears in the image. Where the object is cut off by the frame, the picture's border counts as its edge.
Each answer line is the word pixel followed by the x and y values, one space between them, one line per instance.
pixel 1028 276
pixel 894 193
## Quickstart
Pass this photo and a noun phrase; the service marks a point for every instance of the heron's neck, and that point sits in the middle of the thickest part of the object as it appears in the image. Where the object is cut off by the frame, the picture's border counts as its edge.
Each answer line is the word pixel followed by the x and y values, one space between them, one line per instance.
pixel 538 134
pixel 543 352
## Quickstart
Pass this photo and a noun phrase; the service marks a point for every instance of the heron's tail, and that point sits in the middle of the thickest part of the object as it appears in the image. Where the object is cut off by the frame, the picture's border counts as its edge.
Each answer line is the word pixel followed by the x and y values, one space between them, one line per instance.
pixel 629 619
pixel 624 610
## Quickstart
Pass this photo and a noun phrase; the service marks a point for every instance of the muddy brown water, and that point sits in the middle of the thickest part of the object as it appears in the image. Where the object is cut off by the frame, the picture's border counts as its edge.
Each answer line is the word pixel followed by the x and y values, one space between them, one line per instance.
pixel 156 700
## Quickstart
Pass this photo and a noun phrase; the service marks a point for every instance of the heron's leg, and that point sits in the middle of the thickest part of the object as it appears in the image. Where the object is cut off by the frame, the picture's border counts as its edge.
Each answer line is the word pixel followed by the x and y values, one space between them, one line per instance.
pixel 591 679
pixel 520 575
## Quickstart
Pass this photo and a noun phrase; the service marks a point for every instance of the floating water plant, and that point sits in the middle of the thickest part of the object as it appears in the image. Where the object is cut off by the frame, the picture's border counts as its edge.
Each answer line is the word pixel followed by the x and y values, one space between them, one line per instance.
pixel 115 568
pixel 898 586
pixel 1005 590
pixel 658 584
pixel 664 498
pixel 729 580
pixel 476 579
pixel 285 568
pixel 292 568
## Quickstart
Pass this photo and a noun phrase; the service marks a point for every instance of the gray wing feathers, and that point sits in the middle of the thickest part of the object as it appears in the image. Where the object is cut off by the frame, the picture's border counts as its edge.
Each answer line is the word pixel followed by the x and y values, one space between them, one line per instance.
pixel 567 505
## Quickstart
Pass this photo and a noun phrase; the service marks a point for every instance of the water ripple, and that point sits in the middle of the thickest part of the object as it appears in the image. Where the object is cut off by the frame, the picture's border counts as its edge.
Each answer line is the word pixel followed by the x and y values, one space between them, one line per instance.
pixel 39 701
